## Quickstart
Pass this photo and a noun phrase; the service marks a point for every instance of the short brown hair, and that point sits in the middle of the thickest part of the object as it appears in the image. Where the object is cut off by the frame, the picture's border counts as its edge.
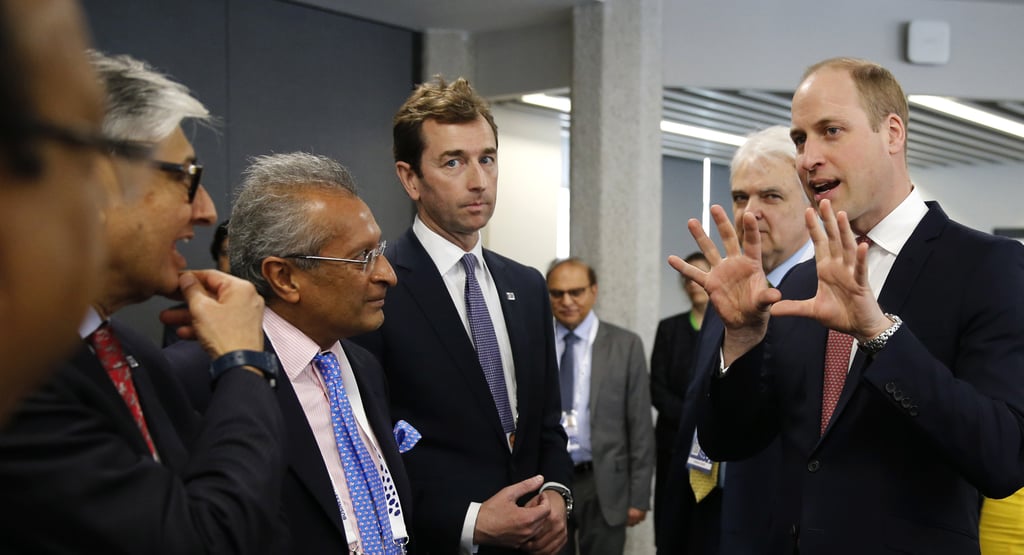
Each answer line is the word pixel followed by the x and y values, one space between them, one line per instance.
pixel 880 92
pixel 454 102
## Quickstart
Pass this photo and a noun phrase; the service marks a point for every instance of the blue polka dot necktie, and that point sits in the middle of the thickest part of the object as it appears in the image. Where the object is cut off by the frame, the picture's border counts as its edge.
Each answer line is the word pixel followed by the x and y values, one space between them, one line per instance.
pixel 486 343
pixel 364 481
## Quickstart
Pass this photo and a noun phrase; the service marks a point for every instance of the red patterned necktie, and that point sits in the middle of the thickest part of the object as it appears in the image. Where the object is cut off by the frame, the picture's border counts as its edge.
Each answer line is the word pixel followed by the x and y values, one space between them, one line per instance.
pixel 837 364
pixel 111 355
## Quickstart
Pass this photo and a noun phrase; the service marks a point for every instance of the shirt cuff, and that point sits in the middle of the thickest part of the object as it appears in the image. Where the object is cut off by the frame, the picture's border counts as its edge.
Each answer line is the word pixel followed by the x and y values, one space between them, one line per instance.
pixel 467 547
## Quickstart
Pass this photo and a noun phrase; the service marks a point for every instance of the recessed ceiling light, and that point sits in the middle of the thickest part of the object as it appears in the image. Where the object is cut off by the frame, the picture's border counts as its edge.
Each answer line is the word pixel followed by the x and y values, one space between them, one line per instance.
pixel 969 113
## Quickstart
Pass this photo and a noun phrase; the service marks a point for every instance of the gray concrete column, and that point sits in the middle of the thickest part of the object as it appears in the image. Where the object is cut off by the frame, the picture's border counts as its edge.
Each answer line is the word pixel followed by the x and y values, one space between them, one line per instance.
pixel 616 156
pixel 449 53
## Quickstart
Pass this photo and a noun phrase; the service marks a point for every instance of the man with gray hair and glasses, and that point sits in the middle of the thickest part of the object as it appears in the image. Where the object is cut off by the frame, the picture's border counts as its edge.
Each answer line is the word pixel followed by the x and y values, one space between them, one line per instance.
pixel 301 234
pixel 108 456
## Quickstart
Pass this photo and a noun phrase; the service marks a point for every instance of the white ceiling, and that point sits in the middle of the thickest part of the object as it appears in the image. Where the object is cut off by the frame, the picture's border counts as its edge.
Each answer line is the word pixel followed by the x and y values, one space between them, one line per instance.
pixel 936 140
pixel 473 16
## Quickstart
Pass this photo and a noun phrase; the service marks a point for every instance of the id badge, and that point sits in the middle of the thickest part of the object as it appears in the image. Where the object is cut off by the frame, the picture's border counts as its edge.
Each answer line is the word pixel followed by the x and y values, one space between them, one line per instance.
pixel 571 430
pixel 698 459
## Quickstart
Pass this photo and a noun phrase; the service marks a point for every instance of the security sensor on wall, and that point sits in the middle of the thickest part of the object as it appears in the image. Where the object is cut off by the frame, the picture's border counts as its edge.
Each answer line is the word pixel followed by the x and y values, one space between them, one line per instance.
pixel 928 42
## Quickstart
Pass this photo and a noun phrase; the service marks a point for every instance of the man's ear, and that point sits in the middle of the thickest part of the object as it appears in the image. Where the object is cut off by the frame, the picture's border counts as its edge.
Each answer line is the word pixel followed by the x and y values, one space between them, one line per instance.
pixel 279 274
pixel 410 181
pixel 897 133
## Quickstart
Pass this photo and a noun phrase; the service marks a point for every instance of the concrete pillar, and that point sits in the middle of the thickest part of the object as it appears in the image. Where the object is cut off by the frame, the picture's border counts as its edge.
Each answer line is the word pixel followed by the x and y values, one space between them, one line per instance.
pixel 615 156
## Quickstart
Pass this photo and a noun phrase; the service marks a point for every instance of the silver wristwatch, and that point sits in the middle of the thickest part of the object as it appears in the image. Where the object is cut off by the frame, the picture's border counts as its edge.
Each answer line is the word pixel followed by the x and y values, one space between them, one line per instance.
pixel 560 490
pixel 872 346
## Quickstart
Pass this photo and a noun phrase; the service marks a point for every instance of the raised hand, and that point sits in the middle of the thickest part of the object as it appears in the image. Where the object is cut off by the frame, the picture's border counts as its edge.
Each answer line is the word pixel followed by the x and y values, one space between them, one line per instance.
pixel 844 300
pixel 226 312
pixel 736 284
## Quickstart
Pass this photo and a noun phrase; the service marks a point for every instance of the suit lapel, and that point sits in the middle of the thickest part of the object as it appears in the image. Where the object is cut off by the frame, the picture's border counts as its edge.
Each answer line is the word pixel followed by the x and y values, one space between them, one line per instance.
pixel 599 363
pixel 303 452
pixel 419 275
pixel 904 273
pixel 86 363
pixel 375 404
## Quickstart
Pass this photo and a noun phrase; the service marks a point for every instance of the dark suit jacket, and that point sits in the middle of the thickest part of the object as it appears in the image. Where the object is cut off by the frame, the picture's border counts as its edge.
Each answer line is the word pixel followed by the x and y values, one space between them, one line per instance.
pixel 76 474
pixel 921 430
pixel 674 345
pixel 310 508
pixel 437 385
pixel 737 519
pixel 621 435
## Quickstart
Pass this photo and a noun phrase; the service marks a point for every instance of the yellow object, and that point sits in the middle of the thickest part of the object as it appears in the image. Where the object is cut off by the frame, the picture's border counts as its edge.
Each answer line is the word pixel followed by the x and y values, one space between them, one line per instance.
pixel 703 482
pixel 1001 529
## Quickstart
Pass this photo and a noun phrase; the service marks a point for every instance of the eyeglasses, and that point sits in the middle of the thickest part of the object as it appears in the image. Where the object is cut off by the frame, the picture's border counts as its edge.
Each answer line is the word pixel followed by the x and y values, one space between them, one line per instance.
pixel 131 150
pixel 368 260
pixel 190 174
pixel 557 294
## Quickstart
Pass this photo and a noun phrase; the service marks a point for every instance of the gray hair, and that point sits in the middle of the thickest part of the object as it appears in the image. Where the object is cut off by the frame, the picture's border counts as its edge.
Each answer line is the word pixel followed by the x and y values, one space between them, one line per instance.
pixel 270 214
pixel 771 143
pixel 142 103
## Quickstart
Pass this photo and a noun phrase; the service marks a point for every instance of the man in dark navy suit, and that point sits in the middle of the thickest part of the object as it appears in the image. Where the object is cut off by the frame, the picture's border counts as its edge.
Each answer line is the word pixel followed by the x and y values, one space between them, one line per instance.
pixel 892 371
pixel 108 456
pixel 468 346
pixel 310 245
pixel 734 514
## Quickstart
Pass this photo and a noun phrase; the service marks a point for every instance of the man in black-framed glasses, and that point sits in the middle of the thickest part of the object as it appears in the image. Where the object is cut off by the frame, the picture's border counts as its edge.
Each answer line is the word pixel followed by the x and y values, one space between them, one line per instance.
pixel 111 438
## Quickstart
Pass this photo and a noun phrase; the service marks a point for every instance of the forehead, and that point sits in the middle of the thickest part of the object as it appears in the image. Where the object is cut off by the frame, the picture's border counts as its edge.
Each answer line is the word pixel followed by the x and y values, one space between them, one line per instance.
pixel 829 93
pixel 570 276
pixel 346 216
pixel 61 83
pixel 766 173
pixel 471 136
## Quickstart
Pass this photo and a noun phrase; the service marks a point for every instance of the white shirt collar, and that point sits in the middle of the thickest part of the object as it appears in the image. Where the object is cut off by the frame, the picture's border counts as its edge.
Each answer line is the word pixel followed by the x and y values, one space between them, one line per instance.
pixel 90 323
pixel 443 252
pixel 895 229
pixel 294 349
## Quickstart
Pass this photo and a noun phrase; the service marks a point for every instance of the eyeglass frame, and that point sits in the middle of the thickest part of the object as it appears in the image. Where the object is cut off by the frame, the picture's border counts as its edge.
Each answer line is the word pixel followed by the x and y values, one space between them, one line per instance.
pixel 191 169
pixel 369 261
pixel 574 293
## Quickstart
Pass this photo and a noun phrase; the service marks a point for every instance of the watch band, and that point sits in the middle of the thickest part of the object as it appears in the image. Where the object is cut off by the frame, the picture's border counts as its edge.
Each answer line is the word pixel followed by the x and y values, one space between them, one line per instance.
pixel 263 361
pixel 560 490
pixel 872 346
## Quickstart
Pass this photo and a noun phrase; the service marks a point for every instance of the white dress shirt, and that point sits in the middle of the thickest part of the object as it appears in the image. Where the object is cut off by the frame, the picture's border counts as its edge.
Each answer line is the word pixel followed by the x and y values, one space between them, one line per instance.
pixel 447 258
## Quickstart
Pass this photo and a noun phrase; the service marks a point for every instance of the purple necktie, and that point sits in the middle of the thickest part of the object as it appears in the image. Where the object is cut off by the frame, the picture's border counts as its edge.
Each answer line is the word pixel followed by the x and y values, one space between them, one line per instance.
pixel 486 343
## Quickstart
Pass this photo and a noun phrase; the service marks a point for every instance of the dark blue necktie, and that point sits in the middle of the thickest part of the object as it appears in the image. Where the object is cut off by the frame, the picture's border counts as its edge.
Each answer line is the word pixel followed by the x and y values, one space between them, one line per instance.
pixel 364 482
pixel 486 343
pixel 567 370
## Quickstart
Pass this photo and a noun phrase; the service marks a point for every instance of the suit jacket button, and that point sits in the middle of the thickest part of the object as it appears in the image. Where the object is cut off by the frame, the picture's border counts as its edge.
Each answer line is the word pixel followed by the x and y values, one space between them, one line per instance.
pixel 913 410
pixel 813 466
pixel 907 402
pixel 898 395
pixel 890 387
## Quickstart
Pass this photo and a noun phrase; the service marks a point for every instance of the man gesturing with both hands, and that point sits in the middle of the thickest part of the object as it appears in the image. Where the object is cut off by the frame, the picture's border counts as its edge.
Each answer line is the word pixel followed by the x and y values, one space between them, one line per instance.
pixel 890 368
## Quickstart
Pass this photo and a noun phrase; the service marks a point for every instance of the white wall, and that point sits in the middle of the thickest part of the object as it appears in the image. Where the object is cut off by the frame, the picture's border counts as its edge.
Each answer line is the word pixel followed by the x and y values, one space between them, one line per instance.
pixel 982 197
pixel 530 173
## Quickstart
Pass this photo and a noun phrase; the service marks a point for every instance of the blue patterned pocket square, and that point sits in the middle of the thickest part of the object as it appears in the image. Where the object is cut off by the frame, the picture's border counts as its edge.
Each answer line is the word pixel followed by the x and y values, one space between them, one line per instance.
pixel 406 436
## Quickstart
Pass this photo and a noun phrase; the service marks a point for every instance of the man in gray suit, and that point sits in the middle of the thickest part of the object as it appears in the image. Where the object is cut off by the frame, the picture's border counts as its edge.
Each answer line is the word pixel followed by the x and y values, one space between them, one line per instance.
pixel 606 412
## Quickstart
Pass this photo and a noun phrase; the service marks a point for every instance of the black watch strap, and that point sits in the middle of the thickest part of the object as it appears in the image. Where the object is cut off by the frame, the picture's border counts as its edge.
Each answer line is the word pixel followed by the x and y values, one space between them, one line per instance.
pixel 261 360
